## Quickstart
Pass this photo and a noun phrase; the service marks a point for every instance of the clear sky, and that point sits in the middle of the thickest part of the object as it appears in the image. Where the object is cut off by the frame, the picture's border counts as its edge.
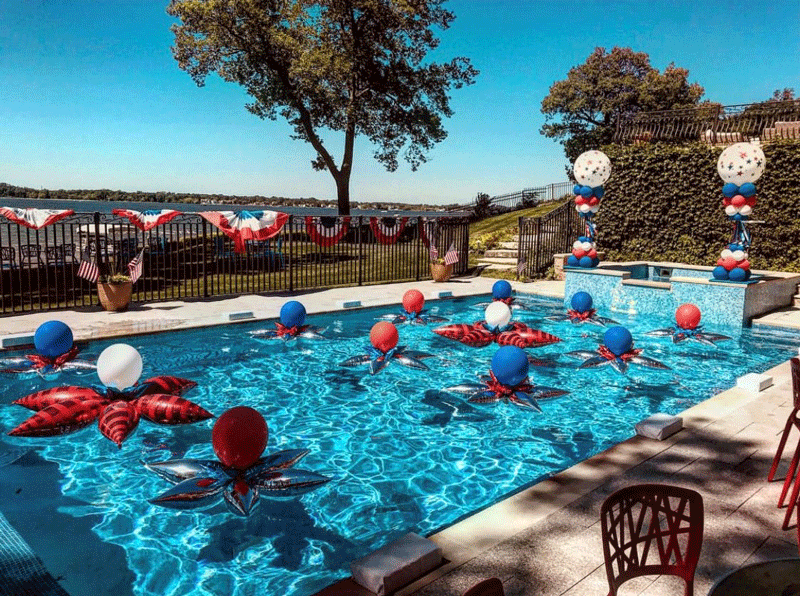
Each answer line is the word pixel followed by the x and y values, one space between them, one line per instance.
pixel 90 96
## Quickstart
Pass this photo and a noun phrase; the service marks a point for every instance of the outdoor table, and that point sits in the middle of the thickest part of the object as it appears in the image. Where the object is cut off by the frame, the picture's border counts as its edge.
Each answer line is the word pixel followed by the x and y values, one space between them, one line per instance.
pixel 780 577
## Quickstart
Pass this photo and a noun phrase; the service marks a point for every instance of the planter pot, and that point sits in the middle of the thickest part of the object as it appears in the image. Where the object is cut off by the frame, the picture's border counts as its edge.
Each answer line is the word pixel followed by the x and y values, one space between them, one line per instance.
pixel 441 272
pixel 115 297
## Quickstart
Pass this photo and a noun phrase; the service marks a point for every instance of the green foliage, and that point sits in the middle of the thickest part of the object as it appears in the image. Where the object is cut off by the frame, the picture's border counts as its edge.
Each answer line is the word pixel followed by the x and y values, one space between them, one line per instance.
pixel 664 203
pixel 356 67
pixel 582 110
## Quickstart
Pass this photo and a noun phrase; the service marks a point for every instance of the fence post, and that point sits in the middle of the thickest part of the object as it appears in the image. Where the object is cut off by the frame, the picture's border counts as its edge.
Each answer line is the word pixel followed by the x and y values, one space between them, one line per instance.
pixel 520 250
pixel 360 252
pixel 205 257
pixel 419 242
pixel 102 265
pixel 291 252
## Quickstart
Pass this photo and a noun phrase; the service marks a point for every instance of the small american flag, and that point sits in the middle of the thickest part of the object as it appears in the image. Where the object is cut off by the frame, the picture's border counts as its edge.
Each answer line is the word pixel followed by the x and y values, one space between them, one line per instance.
pixel 434 252
pixel 451 256
pixel 522 265
pixel 135 266
pixel 88 269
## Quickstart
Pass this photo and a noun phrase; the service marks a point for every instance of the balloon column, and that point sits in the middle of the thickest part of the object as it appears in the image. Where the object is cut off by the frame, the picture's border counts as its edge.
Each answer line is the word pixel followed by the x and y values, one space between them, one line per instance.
pixel 383 338
pixel 582 311
pixel 616 350
pixel 56 351
pixel 413 312
pixel 239 437
pixel 687 319
pixel 290 326
pixel 117 407
pixel 497 327
pixel 507 380
pixel 591 170
pixel 739 166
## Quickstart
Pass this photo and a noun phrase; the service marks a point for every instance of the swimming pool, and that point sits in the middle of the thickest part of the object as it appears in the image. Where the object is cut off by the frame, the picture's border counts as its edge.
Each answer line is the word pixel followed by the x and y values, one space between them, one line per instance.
pixel 403 455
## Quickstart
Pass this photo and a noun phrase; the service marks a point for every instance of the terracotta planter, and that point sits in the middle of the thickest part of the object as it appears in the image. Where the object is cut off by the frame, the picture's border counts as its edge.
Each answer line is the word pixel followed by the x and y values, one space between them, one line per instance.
pixel 440 272
pixel 115 297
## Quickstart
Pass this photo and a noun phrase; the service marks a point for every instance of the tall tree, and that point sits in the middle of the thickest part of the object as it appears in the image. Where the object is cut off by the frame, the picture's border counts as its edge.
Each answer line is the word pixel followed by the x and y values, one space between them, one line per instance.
pixel 582 111
pixel 351 66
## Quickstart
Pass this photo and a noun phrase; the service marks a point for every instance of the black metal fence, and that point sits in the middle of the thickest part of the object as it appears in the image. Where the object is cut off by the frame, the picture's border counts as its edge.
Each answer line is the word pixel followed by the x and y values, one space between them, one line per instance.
pixel 542 237
pixel 189 258
pixel 714 124
pixel 522 199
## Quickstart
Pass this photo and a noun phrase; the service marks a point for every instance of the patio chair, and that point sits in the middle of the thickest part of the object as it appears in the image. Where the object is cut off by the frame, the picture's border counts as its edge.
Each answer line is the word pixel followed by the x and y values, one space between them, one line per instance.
pixel 126 249
pixel 156 245
pixel 8 257
pixel 270 251
pixel 652 529
pixel 791 474
pixel 55 255
pixel 31 255
pixel 487 587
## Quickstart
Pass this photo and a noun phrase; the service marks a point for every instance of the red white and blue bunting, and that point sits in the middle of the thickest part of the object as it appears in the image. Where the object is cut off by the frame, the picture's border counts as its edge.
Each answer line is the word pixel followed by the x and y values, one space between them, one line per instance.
pixel 428 231
pixel 145 220
pixel 387 229
pixel 34 218
pixel 326 231
pixel 246 225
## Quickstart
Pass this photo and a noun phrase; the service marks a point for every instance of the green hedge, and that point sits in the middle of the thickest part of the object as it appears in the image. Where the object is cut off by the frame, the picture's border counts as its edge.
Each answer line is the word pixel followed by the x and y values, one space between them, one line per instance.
pixel 664 203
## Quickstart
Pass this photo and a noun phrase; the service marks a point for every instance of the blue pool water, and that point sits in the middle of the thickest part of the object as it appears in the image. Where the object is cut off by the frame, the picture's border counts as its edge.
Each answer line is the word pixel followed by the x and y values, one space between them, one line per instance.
pixel 403 455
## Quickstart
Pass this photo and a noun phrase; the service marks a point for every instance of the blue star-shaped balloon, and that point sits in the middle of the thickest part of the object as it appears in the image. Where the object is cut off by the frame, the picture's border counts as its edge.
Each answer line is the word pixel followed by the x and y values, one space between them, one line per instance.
pixel 199 483
pixel 414 318
pixel 680 334
pixel 617 351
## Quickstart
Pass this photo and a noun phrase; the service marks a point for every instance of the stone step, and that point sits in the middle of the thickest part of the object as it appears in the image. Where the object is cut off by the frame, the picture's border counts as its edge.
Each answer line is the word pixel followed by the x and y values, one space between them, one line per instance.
pixel 796 300
pixel 496 267
pixel 499 261
pixel 510 245
pixel 501 253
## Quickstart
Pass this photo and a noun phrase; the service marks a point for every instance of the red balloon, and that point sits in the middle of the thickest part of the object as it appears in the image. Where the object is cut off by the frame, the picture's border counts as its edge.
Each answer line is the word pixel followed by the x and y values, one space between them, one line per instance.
pixel 726 201
pixel 579 200
pixel 383 336
pixel 751 201
pixel 720 262
pixel 744 264
pixel 578 252
pixel 413 301
pixel 239 437
pixel 592 253
pixel 738 201
pixel 729 263
pixel 594 201
pixel 687 316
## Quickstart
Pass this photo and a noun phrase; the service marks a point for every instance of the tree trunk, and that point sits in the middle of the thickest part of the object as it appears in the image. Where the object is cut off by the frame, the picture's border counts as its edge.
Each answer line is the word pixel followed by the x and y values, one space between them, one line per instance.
pixel 343 192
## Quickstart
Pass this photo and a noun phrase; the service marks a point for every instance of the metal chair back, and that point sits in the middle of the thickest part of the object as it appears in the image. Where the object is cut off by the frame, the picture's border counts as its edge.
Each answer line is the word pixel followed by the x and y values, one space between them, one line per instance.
pixel 652 529
pixel 30 254
pixel 8 257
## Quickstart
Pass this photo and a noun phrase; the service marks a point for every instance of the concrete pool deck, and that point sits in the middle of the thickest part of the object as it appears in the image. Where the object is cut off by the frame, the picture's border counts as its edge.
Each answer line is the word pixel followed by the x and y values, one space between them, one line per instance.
pixel 546 539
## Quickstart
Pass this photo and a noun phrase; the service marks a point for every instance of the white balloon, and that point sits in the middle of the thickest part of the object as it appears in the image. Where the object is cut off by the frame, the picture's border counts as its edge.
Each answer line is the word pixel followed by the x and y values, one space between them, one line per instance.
pixel 592 168
pixel 595 209
pixel 120 366
pixel 731 210
pixel 585 208
pixel 746 210
pixel 497 314
pixel 586 246
pixel 726 253
pixel 578 208
pixel 577 245
pixel 740 163
pixel 738 255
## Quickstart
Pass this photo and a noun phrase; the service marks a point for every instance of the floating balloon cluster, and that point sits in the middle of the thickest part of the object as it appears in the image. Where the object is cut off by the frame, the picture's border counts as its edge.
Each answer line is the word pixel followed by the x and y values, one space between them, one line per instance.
pixel 413 311
pixel 239 438
pixel 383 338
pixel 617 351
pixel 687 320
pixel 55 352
pixel 582 312
pixel 291 325
pixel 592 169
pixel 507 381
pixel 739 166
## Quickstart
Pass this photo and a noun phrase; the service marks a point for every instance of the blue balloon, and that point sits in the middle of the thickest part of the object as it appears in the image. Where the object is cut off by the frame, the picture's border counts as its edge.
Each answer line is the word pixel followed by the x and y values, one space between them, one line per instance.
pixel 572 261
pixel 586 192
pixel 735 247
pixel 720 272
pixel 510 365
pixel 737 217
pixel 576 190
pixel 293 314
pixel 595 261
pixel 586 261
pixel 747 190
pixel 581 301
pixel 584 238
pixel 598 191
pixel 618 340
pixel 52 339
pixel 730 190
pixel 501 289
pixel 738 274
